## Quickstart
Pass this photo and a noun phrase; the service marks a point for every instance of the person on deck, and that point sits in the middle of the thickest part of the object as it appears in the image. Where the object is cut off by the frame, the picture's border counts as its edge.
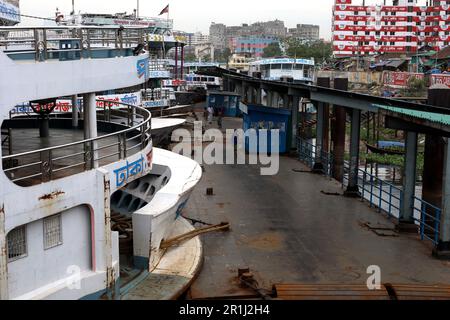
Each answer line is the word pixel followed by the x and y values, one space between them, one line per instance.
pixel 210 114
pixel 220 117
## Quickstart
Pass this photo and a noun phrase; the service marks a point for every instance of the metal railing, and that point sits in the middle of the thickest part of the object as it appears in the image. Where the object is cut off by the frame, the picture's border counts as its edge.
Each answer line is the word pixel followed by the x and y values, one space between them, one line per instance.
pixel 380 194
pixel 307 152
pixel 387 198
pixel 39 166
pixel 69 43
pixel 429 220
pixel 384 196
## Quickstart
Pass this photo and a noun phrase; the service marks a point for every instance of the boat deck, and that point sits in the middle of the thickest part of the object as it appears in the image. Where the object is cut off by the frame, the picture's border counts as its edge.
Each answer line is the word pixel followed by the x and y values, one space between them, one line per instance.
pixel 287 231
pixel 176 271
pixel 25 140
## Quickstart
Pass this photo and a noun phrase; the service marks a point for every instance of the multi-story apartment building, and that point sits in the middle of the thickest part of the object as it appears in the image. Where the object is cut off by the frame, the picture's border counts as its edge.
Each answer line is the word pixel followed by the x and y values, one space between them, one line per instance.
pixel 401 26
pixel 218 35
pixel 305 32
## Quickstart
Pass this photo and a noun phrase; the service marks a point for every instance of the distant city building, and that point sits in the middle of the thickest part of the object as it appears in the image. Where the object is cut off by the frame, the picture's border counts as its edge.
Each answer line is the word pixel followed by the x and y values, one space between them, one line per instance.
pixel 401 27
pixel 9 12
pixel 193 39
pixel 199 38
pixel 251 44
pixel 252 36
pixel 218 35
pixel 240 61
pixel 305 32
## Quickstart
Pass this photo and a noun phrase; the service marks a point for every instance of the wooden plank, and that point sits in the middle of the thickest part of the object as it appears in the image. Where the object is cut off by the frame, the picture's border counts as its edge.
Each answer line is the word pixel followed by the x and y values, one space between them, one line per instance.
pixel 359 292
pixel 328 292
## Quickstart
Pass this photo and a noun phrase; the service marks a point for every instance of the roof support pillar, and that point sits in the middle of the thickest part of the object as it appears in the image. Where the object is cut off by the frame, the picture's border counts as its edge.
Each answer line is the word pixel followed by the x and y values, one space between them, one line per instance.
pixel 326 83
pixel 407 222
pixel 443 248
pixel 90 128
pixel 245 89
pixel 74 112
pixel 338 125
pixel 275 99
pixel 295 111
pixel 352 188
pixel 258 95
pixel 318 165
pixel 269 98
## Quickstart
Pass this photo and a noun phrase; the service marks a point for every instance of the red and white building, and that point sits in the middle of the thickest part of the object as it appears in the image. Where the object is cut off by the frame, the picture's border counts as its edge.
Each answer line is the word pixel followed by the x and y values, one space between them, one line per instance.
pixel 400 26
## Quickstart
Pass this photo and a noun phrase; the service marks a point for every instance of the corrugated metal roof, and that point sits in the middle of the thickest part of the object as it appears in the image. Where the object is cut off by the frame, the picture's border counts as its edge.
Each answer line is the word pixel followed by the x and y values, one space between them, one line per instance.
pixel 395 63
pixel 443 119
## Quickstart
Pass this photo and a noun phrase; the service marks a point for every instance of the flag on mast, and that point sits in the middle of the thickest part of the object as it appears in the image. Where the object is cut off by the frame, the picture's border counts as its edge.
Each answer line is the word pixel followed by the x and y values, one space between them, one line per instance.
pixel 165 10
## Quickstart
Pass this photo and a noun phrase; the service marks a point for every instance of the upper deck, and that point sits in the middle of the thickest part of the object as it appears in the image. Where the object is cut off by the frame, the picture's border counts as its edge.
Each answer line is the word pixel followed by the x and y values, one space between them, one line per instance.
pixel 154 25
pixel 50 62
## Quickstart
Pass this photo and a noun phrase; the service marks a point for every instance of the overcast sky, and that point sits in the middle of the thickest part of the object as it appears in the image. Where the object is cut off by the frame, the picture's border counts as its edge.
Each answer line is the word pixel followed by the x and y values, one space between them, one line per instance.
pixel 197 15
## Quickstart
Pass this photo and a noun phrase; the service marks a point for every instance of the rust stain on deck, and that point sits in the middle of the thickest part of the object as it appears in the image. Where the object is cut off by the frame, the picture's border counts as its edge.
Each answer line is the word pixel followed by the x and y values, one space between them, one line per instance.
pixel 271 241
pixel 51 196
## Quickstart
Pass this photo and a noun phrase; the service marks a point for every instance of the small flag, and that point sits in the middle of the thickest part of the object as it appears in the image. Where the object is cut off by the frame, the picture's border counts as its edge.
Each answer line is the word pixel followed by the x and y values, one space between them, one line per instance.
pixel 165 10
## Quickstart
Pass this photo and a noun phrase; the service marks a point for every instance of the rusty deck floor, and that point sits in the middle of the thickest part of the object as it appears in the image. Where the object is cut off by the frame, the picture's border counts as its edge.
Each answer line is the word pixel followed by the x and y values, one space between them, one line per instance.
pixel 287 231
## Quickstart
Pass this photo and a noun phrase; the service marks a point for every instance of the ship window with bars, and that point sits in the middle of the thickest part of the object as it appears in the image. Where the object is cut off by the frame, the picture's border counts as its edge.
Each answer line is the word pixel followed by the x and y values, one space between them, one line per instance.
pixel 17 244
pixel 52 232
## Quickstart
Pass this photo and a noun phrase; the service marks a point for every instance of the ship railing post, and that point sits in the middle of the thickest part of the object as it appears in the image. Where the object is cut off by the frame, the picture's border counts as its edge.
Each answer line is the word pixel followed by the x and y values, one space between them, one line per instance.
pixel 121 41
pixel 88 39
pixel 116 39
pixel 124 140
pixel 93 160
pixel 36 44
pixel 44 40
pixel 120 146
pixel 46 166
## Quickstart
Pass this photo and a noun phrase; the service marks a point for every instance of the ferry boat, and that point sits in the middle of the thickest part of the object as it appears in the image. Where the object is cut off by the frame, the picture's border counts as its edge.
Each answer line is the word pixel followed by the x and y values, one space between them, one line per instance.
pixel 159 90
pixel 86 198
pixel 277 69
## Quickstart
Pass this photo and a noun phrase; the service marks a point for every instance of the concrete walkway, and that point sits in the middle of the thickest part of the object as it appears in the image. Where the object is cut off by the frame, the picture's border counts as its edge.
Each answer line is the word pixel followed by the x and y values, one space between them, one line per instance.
pixel 287 231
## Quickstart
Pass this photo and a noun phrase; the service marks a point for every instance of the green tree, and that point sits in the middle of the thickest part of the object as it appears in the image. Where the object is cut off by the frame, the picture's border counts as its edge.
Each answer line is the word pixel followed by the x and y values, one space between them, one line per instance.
pixel 416 88
pixel 272 50
pixel 318 50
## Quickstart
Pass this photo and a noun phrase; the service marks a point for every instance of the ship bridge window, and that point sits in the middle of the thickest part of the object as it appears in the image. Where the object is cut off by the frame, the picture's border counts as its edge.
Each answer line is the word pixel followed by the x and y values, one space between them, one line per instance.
pixel 17 244
pixel 52 232
pixel 275 67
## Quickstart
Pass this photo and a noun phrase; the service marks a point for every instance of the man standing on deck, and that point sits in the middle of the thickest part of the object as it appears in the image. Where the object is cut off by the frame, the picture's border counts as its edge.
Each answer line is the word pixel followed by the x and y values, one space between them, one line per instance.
pixel 220 117
pixel 210 114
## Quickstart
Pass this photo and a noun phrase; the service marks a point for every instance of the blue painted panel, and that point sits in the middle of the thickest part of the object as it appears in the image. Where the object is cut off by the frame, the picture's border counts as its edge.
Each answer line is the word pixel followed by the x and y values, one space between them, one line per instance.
pixel 264 118
pixel 228 101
